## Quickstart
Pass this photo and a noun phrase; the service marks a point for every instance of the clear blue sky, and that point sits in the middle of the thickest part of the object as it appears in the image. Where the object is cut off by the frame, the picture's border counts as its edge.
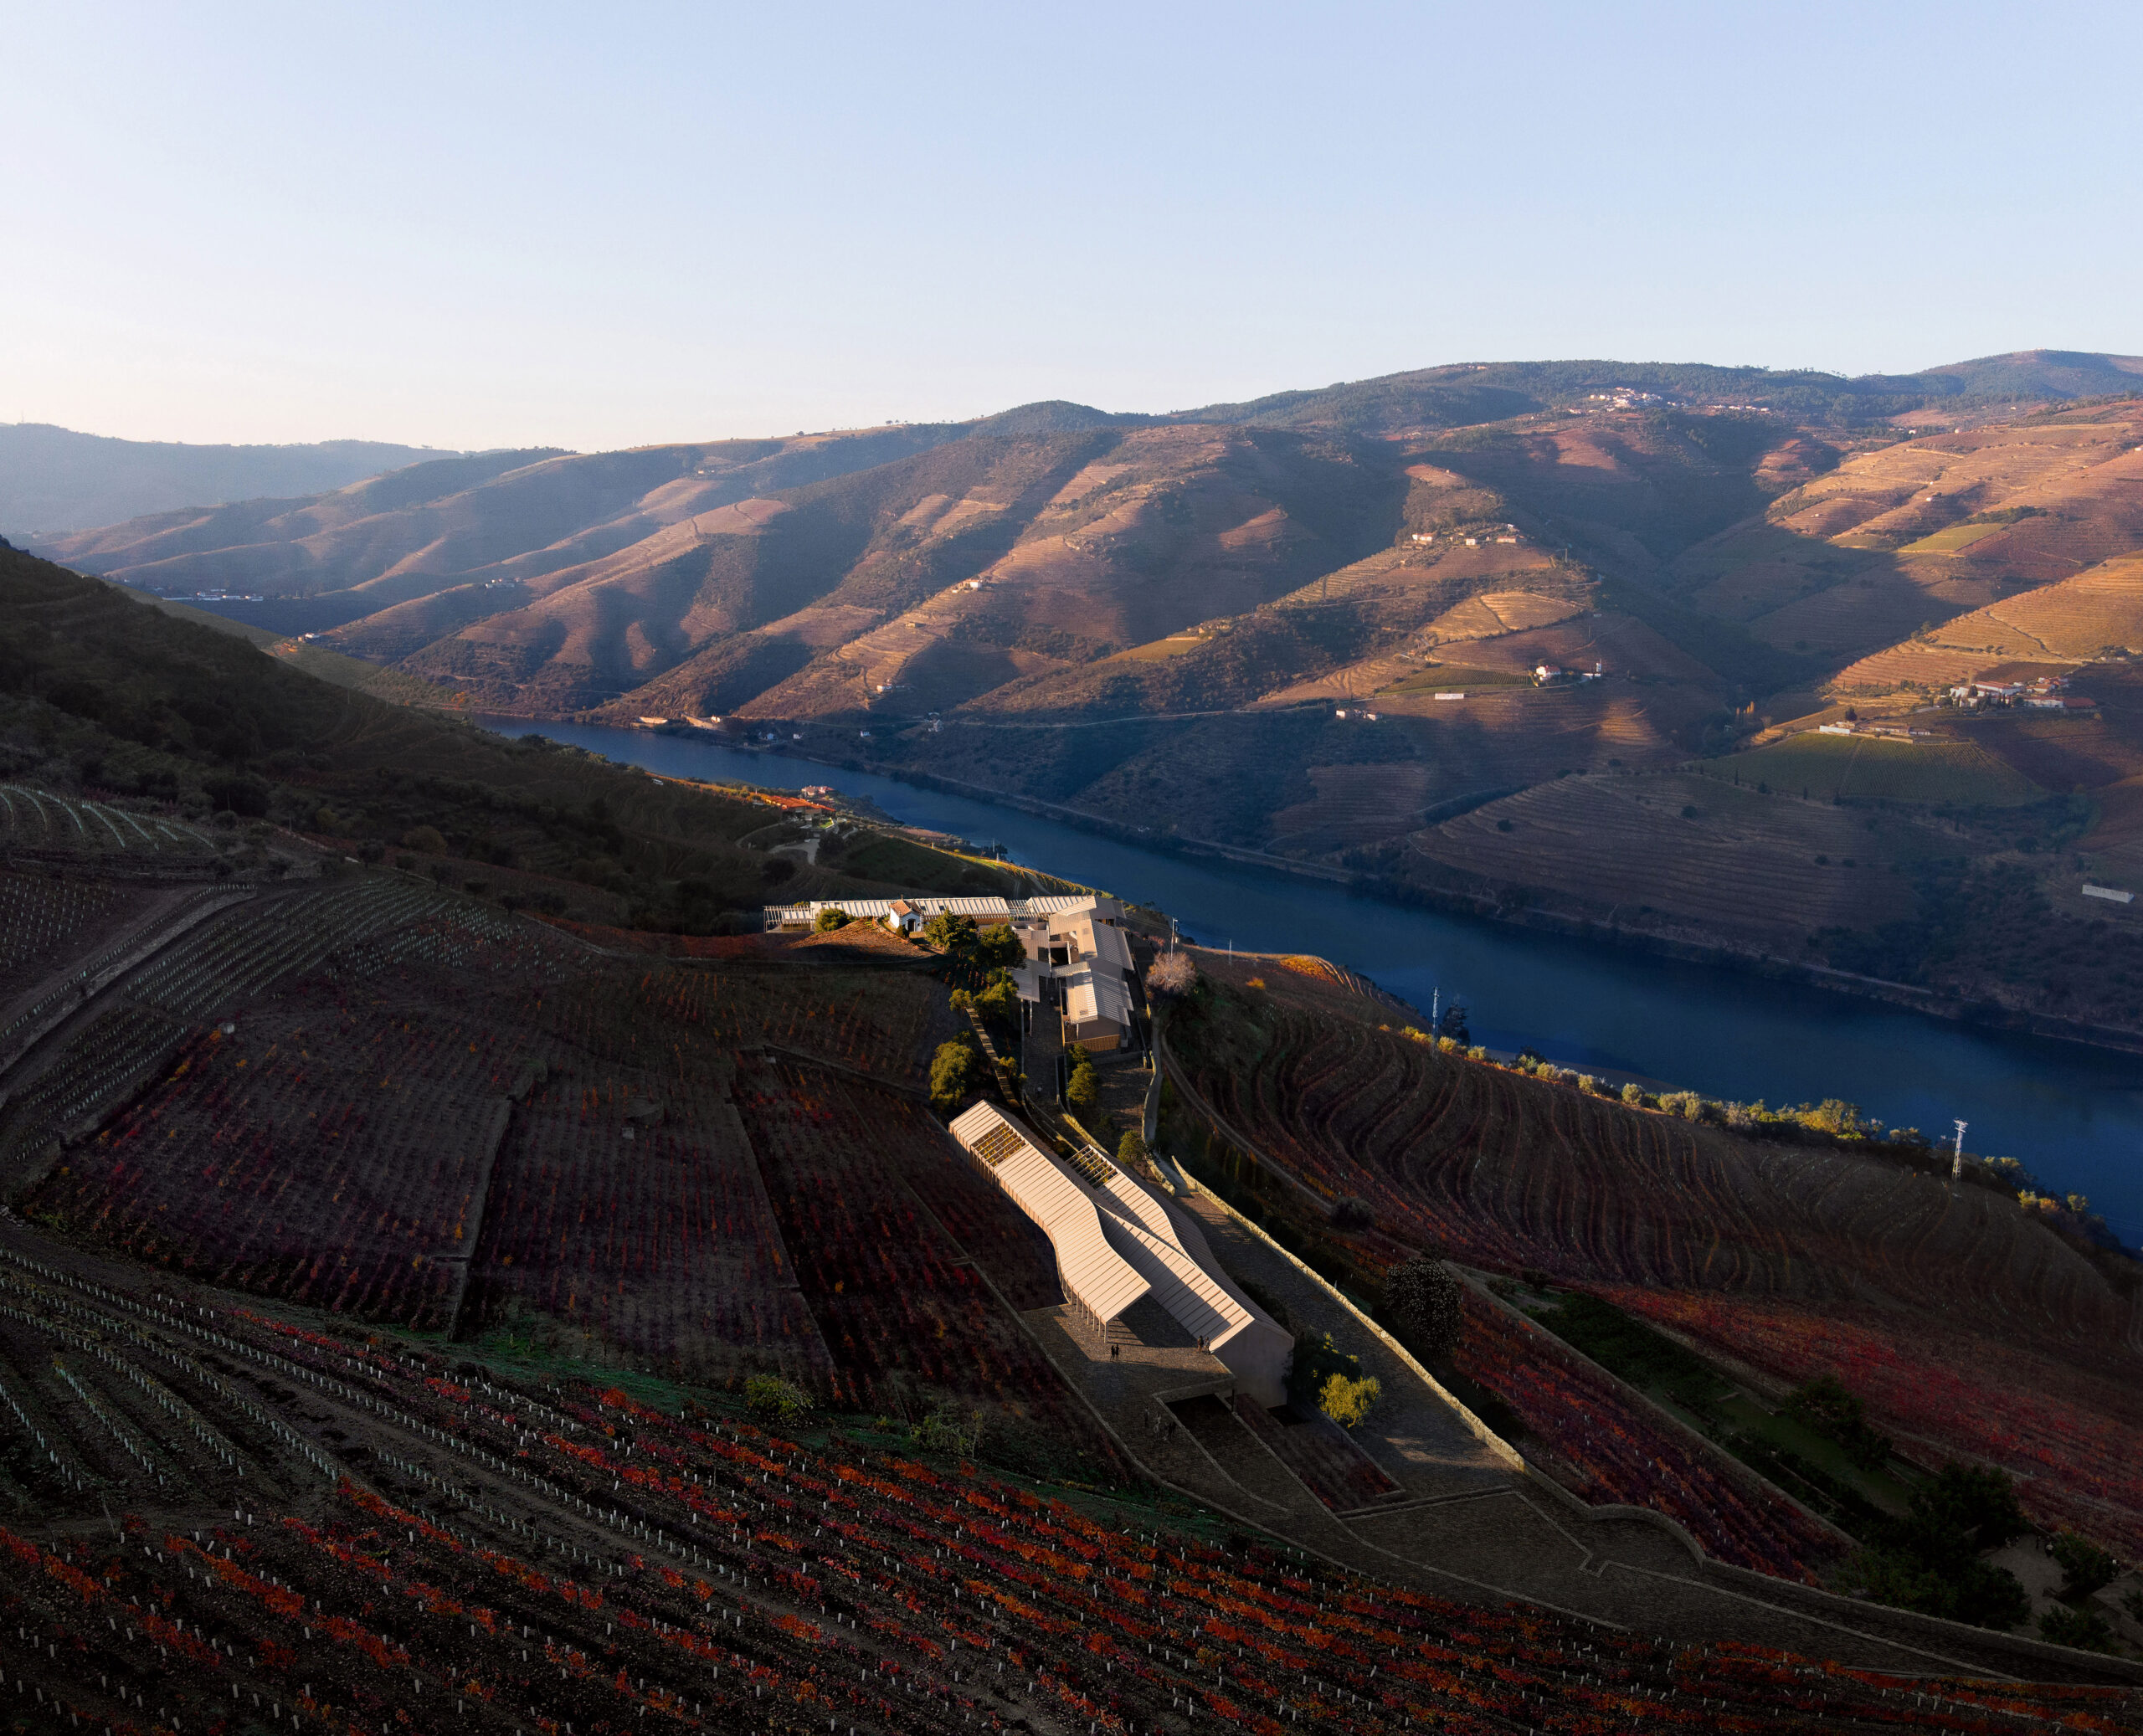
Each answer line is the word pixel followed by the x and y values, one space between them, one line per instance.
pixel 472 225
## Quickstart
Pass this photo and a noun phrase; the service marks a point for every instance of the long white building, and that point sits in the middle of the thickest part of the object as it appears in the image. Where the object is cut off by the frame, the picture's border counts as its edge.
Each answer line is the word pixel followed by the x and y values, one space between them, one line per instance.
pixel 1116 1243
pixel 912 910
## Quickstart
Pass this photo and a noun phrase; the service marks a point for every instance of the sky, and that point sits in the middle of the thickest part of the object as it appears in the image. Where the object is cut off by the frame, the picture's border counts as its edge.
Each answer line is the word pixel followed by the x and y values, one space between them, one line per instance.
pixel 477 225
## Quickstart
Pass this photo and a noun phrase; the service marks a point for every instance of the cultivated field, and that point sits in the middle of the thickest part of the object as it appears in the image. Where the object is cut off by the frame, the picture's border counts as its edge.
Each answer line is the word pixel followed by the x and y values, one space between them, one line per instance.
pixel 1744 862
pixel 1513 1174
pixel 1868 768
pixel 428 1543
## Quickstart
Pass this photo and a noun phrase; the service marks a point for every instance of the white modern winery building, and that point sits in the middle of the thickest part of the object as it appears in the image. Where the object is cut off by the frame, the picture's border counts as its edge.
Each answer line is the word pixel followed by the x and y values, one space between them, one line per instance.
pixel 1118 1244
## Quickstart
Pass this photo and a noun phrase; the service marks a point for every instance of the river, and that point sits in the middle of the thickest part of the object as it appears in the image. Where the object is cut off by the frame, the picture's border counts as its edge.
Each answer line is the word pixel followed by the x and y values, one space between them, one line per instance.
pixel 2072 1114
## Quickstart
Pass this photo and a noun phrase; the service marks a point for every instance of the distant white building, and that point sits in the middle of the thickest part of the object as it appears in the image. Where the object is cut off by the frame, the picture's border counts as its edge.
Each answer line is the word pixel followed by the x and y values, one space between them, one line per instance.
pixel 911 910
pixel 1118 1244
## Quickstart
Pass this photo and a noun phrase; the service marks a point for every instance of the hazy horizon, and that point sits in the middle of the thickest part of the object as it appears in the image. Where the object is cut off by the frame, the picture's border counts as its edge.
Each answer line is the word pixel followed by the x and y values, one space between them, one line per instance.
pixel 505 229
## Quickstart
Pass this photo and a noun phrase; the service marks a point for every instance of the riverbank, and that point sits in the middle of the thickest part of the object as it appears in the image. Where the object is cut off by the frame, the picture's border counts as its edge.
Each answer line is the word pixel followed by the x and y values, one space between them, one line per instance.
pixel 1594 1001
pixel 1493 904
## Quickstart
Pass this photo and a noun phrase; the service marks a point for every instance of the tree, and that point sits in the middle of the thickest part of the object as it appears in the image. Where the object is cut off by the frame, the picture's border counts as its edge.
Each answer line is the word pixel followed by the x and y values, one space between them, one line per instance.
pixel 2083 1629
pixel 1930 1559
pixel 998 946
pixel 1172 976
pixel 956 1071
pixel 950 933
pixel 1353 1212
pixel 1427 1300
pixel 1000 1003
pixel 2086 1568
pixel 832 917
pixel 1453 1024
pixel 1083 1092
pixel 1131 1150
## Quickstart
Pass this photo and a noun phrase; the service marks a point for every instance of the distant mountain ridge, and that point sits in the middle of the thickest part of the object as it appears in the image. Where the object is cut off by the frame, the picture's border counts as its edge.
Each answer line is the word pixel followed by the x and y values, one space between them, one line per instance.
pixel 1018 559
pixel 54 480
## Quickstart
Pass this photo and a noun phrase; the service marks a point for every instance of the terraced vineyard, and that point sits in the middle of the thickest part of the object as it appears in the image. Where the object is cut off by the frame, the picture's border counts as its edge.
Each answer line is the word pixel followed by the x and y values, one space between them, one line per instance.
pixel 890 1291
pixel 1733 859
pixel 402 1541
pixel 1513 1174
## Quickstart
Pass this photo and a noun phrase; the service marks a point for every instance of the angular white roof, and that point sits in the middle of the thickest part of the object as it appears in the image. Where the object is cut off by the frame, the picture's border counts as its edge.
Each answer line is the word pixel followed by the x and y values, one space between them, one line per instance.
pixel 1116 1242
pixel 1095 992
pixel 1044 1188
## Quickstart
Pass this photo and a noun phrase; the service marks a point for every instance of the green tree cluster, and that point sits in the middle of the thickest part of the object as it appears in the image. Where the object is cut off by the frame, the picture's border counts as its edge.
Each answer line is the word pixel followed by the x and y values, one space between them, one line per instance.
pixel 999 947
pixel 1929 1560
pixel 999 1002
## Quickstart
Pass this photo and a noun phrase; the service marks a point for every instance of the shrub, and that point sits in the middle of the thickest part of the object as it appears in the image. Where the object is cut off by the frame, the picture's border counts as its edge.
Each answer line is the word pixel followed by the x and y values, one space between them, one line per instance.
pixel 1426 1299
pixel 1589 1085
pixel 1825 1406
pixel 831 918
pixel 1172 976
pixel 1315 1361
pixel 1131 1150
pixel 1633 1093
pixel 1477 1053
pixel 1687 1104
pixel 1347 1401
pixel 1929 1560
pixel 2083 1629
pixel 774 1400
pixel 1353 1212
pixel 947 1429
pixel 2086 1568
pixel 427 839
pixel 1839 1119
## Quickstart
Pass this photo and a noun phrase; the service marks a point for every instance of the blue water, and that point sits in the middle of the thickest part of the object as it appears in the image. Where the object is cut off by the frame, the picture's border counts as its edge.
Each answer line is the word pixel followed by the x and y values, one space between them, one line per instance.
pixel 2073 1115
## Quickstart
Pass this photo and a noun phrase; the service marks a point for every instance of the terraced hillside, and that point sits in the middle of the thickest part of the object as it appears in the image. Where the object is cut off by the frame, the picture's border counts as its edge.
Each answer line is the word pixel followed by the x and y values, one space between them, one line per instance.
pixel 396 1533
pixel 1501 576
pixel 1972 1326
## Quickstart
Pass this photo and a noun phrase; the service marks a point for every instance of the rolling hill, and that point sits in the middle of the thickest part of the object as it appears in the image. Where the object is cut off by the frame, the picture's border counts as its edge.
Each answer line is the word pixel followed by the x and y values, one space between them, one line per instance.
pixel 53 480
pixel 1376 627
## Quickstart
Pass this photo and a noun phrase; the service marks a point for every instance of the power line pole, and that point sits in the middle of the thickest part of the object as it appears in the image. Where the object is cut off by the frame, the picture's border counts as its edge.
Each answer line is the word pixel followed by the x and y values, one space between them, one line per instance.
pixel 1957 1158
